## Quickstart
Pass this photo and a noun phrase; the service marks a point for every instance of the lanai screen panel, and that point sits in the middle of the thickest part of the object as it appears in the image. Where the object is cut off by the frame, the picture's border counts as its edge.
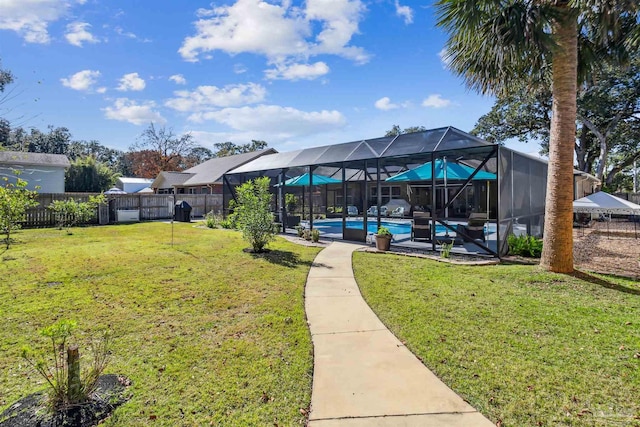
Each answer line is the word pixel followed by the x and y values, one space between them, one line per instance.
pixel 523 182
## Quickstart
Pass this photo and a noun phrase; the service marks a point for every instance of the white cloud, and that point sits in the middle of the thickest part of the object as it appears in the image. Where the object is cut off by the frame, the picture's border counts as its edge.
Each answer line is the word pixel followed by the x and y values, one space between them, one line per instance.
pixel 297 71
pixel 131 81
pixel 436 101
pixel 285 122
pixel 404 12
pixel 30 18
pixel 128 34
pixel 239 69
pixel 101 90
pixel 206 98
pixel 385 104
pixel 127 110
pixel 82 80
pixel 77 33
pixel 444 57
pixel 178 79
pixel 278 31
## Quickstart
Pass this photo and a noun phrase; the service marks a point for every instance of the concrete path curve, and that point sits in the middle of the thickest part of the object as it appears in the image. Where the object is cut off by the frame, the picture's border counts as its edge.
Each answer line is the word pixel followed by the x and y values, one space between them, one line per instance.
pixel 363 375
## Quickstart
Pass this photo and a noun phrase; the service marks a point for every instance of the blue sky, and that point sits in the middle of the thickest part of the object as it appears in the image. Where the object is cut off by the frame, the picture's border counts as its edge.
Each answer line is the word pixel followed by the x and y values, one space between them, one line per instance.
pixel 293 73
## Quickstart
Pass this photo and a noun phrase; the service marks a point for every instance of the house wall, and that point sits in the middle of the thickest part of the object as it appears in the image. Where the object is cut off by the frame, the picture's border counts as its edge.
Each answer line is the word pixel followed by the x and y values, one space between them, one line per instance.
pixel 49 179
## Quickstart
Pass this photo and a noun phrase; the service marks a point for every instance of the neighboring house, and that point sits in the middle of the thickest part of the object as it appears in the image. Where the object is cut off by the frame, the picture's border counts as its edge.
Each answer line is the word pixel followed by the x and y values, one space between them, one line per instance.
pixel 133 185
pixel 205 178
pixel 43 172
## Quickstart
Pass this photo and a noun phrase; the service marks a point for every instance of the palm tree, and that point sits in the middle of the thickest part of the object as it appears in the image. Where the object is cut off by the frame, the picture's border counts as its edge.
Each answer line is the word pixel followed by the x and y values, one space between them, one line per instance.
pixel 494 44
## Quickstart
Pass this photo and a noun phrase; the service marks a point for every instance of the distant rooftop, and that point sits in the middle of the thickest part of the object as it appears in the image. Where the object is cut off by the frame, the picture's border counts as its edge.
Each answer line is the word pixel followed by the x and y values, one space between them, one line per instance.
pixel 131 180
pixel 33 159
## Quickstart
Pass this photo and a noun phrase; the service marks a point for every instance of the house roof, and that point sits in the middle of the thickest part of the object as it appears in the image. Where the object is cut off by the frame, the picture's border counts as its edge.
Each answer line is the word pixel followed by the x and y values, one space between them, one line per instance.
pixel 33 159
pixel 131 180
pixel 169 179
pixel 208 172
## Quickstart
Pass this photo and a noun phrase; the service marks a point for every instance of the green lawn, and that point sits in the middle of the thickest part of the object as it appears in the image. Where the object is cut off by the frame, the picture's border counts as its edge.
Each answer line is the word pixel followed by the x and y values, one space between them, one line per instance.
pixel 208 334
pixel 522 346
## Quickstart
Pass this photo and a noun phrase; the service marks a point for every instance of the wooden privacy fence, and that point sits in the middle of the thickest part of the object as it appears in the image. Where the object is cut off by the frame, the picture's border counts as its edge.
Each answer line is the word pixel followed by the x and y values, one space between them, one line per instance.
pixel 632 197
pixel 149 206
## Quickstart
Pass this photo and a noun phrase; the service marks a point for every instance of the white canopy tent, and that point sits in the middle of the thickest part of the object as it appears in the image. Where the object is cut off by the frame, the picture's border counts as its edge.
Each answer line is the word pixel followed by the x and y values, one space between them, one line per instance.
pixel 602 202
pixel 605 203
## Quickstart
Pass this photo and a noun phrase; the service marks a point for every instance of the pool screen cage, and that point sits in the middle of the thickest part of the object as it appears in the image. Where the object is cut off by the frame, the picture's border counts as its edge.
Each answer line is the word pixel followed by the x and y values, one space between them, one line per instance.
pixel 444 174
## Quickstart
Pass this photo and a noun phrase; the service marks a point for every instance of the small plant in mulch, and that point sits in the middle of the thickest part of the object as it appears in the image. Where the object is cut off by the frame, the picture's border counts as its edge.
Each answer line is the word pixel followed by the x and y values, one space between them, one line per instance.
pixel 72 398
pixel 524 245
pixel 315 235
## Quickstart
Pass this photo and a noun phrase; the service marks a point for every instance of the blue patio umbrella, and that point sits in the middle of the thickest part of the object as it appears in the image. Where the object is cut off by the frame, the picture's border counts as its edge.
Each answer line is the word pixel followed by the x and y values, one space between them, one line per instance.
pixel 304 181
pixel 454 171
pixel 445 171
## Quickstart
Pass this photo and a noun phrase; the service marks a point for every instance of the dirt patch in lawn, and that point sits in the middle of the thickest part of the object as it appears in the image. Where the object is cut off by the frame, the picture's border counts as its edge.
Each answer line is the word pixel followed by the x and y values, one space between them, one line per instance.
pixel 608 247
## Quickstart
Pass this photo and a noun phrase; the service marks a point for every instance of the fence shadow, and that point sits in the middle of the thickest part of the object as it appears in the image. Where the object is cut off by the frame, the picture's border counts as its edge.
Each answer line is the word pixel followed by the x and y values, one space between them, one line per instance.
pixel 605 283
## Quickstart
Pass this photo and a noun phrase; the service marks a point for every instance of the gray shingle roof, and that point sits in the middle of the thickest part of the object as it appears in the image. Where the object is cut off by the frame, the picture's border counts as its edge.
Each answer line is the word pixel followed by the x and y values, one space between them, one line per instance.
pixel 208 172
pixel 212 170
pixel 34 159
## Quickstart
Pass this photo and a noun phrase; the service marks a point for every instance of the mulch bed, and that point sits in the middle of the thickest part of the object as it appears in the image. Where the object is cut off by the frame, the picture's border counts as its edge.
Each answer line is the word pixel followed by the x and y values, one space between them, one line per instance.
pixel 31 410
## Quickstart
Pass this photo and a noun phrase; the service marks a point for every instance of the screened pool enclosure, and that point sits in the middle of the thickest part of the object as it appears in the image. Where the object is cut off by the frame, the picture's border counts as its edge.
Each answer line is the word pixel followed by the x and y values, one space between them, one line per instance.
pixel 437 187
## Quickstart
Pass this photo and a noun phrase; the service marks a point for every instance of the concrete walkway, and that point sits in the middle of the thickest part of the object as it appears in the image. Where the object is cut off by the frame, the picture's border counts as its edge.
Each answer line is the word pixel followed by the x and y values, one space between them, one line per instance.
pixel 364 376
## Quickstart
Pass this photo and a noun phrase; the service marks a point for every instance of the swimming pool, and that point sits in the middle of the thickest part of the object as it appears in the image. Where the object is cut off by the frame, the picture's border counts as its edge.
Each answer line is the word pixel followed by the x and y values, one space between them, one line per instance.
pixel 335 227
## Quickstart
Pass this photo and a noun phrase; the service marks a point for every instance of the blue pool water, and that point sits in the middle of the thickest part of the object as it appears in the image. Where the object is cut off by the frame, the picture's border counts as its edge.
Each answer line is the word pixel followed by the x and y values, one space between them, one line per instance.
pixel 372 227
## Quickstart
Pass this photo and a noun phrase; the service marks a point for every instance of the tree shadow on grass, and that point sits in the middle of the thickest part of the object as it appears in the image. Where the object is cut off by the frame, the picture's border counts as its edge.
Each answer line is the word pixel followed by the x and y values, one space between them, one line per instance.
pixel 284 258
pixel 604 283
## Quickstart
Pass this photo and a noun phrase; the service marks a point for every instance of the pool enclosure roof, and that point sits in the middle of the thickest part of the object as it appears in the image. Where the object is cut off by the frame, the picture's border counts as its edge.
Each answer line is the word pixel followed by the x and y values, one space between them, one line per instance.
pixel 430 141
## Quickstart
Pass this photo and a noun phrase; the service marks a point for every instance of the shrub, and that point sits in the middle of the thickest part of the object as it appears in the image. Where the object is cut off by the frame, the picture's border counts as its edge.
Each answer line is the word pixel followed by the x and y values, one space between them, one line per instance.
pixel 306 234
pixel 254 214
pixel 300 230
pixel 213 220
pixel 315 235
pixel 525 245
pixel 15 199
pixel 291 202
pixel 67 386
pixel 445 250
pixel 71 212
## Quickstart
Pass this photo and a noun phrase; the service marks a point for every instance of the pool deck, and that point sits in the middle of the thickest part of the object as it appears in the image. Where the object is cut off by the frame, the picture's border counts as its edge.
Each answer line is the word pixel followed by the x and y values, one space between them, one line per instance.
pixel 404 239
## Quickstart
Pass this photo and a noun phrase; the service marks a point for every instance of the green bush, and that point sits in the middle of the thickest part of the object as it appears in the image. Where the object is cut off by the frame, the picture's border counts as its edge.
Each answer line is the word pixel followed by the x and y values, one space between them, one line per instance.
pixel 445 250
pixel 213 220
pixel 300 230
pixel 384 231
pixel 254 214
pixel 525 245
pixel 71 212
pixel 315 235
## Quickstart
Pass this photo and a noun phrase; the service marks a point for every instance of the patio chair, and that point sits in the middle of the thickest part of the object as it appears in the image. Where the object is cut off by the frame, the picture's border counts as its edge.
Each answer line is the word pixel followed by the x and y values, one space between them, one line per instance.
pixel 373 211
pixel 398 212
pixel 474 228
pixel 421 226
pixel 352 210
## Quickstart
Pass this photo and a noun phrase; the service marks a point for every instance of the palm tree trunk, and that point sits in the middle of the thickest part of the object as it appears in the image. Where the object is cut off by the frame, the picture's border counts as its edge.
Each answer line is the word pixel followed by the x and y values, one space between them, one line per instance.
pixel 557 253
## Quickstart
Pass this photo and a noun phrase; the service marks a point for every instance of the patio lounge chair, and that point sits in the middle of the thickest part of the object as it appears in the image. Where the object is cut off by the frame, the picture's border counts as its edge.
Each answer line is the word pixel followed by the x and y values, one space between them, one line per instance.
pixel 474 228
pixel 373 211
pixel 421 226
pixel 352 210
pixel 398 212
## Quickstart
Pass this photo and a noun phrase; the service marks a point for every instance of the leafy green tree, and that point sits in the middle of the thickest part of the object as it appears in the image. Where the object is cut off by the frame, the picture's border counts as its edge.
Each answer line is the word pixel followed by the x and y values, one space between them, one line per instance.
pixel 607 119
pixel 70 212
pixel 15 199
pixel 87 175
pixel 496 45
pixel 253 213
pixel 396 130
pixel 224 149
